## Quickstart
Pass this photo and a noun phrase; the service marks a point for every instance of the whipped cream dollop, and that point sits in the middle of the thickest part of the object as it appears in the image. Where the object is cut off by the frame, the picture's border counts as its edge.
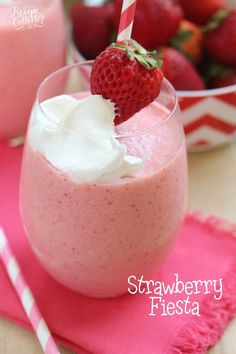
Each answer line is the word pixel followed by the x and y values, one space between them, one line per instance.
pixel 78 137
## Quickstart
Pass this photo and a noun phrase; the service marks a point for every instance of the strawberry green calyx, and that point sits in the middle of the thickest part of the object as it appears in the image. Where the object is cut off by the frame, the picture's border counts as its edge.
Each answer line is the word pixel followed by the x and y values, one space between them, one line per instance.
pixel 179 39
pixel 135 51
pixel 217 70
pixel 217 19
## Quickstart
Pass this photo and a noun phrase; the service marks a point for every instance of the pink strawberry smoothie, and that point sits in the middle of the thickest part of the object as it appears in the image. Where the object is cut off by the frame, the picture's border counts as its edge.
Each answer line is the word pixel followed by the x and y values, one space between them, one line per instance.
pixel 27 56
pixel 92 237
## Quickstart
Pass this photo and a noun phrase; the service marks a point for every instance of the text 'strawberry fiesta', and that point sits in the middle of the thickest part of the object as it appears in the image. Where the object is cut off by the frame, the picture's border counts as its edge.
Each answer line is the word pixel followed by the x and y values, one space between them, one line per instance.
pixel 157 290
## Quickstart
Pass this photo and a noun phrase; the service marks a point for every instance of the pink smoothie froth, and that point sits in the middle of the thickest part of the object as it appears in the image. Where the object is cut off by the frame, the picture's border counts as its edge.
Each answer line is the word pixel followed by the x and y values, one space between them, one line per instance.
pixel 27 56
pixel 92 237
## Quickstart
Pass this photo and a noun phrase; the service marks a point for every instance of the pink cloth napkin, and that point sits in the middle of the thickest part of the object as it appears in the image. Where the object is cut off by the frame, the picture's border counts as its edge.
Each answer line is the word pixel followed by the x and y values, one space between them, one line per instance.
pixel 205 250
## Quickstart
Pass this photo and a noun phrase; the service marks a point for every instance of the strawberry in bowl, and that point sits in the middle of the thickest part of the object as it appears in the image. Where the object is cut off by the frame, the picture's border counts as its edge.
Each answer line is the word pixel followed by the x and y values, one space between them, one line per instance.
pixel 209 115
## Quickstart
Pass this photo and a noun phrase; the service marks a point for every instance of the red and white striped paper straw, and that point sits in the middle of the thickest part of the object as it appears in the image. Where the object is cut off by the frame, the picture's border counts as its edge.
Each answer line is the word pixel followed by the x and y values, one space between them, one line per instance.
pixel 126 20
pixel 27 300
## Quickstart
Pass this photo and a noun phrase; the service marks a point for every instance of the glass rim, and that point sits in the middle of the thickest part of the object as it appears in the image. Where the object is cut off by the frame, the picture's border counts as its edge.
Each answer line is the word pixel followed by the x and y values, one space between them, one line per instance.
pixel 142 132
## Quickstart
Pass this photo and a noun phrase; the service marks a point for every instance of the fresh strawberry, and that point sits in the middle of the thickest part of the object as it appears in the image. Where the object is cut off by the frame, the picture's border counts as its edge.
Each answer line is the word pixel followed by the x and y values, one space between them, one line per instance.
pixel 224 81
pixel 155 22
pixel 220 37
pixel 91 28
pixel 128 75
pixel 189 41
pixel 200 11
pixel 179 71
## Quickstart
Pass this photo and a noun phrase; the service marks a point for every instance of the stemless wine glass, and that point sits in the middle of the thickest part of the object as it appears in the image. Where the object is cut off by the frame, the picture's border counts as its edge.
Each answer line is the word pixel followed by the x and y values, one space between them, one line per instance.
pixel 91 236
pixel 32 45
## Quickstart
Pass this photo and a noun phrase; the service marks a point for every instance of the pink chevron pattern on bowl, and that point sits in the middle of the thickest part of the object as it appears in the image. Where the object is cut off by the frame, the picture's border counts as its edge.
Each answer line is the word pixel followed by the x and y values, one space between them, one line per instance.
pixel 209 117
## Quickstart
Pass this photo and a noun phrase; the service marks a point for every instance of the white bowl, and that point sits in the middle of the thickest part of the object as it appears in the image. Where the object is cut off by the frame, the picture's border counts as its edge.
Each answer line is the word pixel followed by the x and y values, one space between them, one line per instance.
pixel 209 116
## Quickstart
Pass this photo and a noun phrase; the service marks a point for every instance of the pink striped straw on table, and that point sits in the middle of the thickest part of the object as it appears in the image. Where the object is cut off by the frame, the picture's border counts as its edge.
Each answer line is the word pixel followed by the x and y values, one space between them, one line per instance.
pixel 126 20
pixel 27 300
